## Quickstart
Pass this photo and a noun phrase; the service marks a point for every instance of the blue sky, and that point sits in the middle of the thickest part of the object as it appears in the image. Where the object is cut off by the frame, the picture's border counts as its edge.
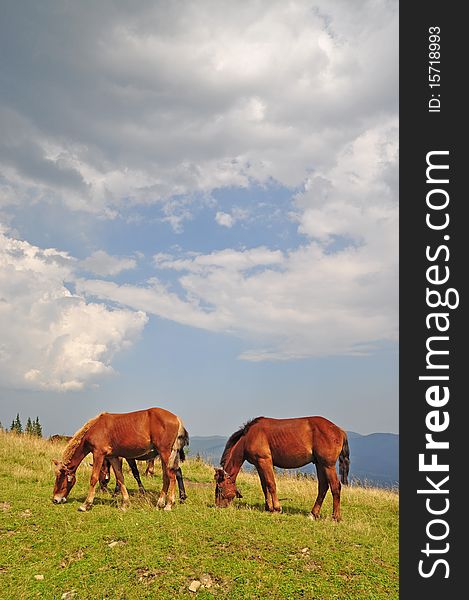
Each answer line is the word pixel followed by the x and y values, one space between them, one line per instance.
pixel 198 210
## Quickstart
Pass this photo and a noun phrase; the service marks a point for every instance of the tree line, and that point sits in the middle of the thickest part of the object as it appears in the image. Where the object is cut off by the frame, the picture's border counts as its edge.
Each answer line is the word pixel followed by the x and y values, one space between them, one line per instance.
pixel 32 427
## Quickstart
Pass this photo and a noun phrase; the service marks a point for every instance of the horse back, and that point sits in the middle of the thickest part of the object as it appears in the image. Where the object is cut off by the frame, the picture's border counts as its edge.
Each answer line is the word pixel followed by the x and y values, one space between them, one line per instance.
pixel 134 434
pixel 292 443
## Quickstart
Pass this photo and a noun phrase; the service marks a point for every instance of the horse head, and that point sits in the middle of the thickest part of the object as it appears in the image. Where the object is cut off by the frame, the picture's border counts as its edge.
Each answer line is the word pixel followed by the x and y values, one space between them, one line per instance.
pixel 225 489
pixel 64 481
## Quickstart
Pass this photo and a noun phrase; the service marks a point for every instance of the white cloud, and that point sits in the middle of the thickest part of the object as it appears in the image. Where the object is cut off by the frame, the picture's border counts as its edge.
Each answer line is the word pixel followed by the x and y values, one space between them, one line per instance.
pixel 336 294
pixel 229 219
pixel 163 104
pixel 52 338
pixel 224 219
pixel 357 197
pixel 152 102
pixel 316 305
pixel 231 260
pixel 101 263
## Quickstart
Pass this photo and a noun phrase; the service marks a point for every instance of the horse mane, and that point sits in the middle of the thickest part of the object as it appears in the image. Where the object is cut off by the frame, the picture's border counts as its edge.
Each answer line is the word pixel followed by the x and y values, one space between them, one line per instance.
pixel 77 438
pixel 235 437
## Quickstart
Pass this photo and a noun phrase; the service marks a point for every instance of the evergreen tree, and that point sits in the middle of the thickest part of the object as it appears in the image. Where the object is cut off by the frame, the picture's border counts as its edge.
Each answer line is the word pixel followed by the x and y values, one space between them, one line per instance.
pixel 29 427
pixel 19 426
pixel 37 428
pixel 16 426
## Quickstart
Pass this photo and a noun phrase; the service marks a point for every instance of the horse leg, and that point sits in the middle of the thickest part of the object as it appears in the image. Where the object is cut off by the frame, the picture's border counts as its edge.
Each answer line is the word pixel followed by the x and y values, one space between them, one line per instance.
pixel 117 467
pixel 117 487
pixel 167 495
pixel 180 482
pixel 268 498
pixel 267 469
pixel 162 498
pixel 335 486
pixel 171 490
pixel 97 464
pixel 104 475
pixel 150 470
pixel 133 467
pixel 323 486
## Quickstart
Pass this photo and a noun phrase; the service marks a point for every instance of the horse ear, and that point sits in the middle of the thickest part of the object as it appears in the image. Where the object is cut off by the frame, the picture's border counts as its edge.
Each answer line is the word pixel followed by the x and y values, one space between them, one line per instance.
pixel 238 494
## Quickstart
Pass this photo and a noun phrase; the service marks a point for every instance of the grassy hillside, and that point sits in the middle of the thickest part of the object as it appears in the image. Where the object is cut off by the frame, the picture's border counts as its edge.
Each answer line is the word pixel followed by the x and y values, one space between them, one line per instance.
pixel 242 552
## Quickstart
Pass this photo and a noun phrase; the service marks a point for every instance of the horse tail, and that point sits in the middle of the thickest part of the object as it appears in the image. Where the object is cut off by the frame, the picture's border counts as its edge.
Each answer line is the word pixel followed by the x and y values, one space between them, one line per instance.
pixel 177 451
pixel 344 461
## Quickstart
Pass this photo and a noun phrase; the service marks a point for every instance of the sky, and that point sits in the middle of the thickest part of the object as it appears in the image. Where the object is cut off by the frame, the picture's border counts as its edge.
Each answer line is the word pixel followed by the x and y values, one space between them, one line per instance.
pixel 199 211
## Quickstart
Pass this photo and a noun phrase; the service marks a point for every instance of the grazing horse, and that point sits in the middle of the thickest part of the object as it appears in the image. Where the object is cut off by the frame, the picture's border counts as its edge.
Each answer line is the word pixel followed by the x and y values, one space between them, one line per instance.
pixel 105 475
pixel 105 472
pixel 142 434
pixel 288 444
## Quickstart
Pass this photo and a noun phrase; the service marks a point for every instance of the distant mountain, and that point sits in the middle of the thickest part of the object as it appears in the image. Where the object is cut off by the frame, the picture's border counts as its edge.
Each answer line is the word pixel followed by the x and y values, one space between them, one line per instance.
pixel 374 458
pixel 210 447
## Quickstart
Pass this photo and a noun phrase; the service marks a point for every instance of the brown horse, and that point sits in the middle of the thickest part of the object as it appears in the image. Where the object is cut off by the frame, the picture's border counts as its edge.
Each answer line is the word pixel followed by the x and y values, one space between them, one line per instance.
pixel 142 434
pixel 288 444
pixel 105 475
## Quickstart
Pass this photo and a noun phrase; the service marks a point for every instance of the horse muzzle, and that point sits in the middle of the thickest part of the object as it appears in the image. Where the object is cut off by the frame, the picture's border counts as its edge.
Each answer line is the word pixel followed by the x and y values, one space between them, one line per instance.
pixel 59 500
pixel 222 502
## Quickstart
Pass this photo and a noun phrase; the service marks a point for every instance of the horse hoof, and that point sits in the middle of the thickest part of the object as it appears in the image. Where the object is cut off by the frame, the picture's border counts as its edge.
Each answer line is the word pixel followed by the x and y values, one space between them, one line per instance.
pixel 168 507
pixel 313 517
pixel 161 503
pixel 124 507
pixel 84 507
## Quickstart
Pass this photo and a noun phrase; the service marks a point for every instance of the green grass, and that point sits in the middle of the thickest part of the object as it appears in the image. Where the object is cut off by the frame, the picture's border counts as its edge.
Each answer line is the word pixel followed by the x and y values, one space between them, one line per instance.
pixel 241 552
